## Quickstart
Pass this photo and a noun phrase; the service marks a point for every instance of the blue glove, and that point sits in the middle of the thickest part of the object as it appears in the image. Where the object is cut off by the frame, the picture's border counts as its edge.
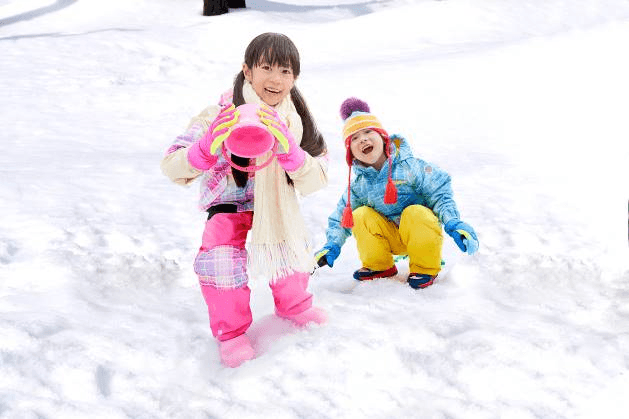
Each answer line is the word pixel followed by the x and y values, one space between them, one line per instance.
pixel 463 234
pixel 327 255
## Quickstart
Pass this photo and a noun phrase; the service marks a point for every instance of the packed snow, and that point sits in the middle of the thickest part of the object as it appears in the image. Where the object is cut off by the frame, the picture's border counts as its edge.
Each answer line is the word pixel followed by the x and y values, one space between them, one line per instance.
pixel 524 103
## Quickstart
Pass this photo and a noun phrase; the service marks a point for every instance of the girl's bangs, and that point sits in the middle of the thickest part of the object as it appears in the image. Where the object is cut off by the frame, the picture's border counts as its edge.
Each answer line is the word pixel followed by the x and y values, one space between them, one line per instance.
pixel 273 49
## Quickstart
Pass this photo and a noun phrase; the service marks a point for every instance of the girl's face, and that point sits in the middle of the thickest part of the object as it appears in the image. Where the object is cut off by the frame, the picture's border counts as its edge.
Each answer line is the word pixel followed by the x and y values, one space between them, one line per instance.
pixel 368 148
pixel 271 83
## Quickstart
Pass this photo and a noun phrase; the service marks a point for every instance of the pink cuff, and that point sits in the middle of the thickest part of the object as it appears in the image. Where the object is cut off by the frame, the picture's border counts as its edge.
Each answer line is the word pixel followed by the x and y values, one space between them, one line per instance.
pixel 199 159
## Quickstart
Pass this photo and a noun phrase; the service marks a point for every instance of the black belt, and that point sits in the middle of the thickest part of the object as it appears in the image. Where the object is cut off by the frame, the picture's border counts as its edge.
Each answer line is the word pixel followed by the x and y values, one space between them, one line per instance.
pixel 221 208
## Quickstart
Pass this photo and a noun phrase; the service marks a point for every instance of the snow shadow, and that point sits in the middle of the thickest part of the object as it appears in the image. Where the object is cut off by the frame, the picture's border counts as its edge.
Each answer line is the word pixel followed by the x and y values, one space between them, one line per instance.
pixel 66 35
pixel 358 9
pixel 60 4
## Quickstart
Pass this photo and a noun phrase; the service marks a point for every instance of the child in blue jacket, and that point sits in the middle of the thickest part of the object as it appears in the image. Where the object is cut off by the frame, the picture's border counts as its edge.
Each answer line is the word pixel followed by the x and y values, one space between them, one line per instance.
pixel 395 205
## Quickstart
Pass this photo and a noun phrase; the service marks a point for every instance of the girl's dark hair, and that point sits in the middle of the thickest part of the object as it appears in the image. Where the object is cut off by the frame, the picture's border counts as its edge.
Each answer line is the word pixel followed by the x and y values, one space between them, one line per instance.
pixel 276 48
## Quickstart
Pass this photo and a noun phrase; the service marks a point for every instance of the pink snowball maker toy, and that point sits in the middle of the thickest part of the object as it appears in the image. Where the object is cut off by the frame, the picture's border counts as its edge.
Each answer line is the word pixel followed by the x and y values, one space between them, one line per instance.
pixel 250 134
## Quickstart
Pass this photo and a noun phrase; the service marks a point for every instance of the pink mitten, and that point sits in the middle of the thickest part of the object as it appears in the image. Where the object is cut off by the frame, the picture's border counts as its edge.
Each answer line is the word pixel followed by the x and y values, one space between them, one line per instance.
pixel 199 154
pixel 289 155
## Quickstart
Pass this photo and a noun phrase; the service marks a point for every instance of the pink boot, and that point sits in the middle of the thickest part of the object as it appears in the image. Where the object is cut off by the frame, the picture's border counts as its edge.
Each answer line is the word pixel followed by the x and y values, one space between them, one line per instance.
pixel 312 315
pixel 294 302
pixel 235 351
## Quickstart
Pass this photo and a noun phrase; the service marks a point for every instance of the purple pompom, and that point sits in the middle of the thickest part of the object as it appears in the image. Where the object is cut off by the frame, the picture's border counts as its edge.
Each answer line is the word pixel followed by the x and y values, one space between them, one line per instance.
pixel 351 105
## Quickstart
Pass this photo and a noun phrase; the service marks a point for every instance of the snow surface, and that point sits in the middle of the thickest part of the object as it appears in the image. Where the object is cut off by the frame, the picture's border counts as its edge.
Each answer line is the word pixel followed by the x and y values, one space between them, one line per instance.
pixel 524 102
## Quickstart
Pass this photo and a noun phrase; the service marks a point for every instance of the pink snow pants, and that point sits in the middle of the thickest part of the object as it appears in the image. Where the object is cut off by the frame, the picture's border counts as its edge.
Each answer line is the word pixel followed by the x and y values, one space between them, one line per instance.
pixel 221 267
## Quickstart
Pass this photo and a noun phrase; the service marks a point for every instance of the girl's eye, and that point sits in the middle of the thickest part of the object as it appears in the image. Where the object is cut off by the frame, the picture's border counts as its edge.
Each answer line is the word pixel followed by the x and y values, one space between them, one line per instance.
pixel 287 71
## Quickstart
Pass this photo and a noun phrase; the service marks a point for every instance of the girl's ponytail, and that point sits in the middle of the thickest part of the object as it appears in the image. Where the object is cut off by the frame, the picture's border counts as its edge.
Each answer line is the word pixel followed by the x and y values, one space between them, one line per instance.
pixel 312 141
pixel 240 177
pixel 238 97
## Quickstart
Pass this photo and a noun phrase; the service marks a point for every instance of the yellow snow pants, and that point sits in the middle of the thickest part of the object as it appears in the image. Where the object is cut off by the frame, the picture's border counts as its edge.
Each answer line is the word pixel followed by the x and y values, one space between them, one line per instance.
pixel 419 236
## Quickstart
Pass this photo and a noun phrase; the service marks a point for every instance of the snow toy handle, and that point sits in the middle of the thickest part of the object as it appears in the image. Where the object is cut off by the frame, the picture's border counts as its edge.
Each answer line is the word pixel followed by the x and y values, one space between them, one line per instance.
pixel 248 168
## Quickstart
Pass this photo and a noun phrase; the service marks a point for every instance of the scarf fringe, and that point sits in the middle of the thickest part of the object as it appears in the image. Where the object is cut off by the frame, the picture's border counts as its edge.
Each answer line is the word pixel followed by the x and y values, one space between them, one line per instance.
pixel 274 261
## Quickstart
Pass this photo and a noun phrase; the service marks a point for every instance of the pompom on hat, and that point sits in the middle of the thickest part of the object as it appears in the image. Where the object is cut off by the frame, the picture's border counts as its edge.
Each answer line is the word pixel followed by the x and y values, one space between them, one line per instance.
pixel 357 116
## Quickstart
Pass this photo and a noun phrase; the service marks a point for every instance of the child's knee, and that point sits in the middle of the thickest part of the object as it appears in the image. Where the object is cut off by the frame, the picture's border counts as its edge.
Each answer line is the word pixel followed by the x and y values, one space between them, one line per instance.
pixel 363 213
pixel 369 218
pixel 419 214
pixel 418 211
pixel 222 267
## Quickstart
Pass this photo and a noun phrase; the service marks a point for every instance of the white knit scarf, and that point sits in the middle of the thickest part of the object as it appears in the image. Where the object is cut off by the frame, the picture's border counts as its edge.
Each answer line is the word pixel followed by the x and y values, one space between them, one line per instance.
pixel 278 243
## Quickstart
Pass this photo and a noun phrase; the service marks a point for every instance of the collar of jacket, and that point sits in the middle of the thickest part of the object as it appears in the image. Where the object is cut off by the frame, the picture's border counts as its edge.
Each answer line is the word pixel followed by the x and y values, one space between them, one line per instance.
pixel 401 151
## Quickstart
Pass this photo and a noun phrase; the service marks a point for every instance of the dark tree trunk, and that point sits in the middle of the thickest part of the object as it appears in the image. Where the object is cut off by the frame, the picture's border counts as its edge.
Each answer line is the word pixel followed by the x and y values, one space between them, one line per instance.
pixel 219 7
pixel 236 4
pixel 214 7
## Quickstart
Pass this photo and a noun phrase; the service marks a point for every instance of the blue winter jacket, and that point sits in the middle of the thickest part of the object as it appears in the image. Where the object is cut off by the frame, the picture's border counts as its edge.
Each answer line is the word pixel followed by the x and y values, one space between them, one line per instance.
pixel 417 182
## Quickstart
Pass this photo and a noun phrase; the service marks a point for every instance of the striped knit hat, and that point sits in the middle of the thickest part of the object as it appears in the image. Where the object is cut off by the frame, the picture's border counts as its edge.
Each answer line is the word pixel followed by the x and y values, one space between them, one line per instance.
pixel 357 117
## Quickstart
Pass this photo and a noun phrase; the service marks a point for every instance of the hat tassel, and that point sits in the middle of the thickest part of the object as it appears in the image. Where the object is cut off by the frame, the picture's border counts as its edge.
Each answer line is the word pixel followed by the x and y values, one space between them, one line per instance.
pixel 390 192
pixel 348 218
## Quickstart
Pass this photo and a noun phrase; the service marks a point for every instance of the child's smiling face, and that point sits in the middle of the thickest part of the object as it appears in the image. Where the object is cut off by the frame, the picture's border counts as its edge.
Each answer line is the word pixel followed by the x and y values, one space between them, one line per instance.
pixel 271 82
pixel 367 147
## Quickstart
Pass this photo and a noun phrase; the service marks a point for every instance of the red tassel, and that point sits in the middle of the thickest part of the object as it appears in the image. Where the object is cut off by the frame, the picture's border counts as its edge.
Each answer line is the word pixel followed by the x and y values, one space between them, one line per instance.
pixel 348 218
pixel 390 193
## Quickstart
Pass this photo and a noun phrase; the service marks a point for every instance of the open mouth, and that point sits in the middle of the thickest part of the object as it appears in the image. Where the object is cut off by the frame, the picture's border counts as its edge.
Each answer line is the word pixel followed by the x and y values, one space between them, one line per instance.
pixel 272 91
pixel 368 149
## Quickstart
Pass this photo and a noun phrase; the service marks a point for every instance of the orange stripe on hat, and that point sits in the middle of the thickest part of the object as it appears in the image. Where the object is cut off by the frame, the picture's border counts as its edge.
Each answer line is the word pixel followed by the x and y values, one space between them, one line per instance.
pixel 359 121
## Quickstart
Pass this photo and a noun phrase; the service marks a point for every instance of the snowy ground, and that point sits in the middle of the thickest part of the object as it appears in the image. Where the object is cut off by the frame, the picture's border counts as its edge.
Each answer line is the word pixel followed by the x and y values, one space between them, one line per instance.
pixel 523 102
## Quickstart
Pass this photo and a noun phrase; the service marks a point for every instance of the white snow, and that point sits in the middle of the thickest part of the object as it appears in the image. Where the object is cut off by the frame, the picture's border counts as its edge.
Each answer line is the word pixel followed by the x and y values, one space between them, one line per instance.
pixel 523 102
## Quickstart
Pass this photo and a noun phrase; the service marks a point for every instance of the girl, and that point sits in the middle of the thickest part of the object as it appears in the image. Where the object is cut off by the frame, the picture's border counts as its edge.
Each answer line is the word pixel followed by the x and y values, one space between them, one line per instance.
pixel 263 206
pixel 395 205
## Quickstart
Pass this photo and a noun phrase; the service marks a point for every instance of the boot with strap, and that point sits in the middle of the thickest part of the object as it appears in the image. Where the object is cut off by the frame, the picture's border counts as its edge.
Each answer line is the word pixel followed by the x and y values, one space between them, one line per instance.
pixel 366 274
pixel 418 281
